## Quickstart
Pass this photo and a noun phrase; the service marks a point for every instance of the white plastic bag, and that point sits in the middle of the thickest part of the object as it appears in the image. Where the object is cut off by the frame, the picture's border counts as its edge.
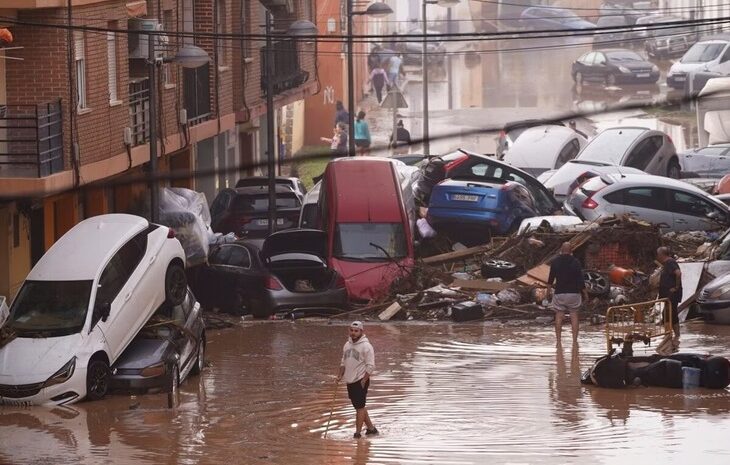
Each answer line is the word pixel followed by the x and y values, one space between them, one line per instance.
pixel 186 212
pixel 425 229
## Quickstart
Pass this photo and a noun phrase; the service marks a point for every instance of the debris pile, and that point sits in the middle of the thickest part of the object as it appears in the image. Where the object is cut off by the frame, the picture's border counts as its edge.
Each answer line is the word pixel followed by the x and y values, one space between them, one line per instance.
pixel 506 279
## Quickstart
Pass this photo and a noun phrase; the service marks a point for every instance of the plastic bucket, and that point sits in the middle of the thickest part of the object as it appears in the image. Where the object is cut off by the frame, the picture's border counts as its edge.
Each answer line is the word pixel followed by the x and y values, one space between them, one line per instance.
pixel 690 377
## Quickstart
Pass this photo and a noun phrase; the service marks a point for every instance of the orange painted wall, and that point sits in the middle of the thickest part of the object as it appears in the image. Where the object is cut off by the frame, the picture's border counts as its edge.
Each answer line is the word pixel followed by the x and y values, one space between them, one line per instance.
pixel 332 71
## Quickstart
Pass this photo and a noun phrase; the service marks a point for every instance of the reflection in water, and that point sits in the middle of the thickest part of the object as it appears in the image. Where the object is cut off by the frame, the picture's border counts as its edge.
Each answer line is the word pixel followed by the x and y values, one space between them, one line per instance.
pixel 442 394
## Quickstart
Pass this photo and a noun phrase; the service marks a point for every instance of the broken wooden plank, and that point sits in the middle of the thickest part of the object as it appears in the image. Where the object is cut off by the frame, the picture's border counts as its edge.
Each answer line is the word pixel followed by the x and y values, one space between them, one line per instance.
pixel 458 255
pixel 540 272
pixel 480 284
pixel 390 312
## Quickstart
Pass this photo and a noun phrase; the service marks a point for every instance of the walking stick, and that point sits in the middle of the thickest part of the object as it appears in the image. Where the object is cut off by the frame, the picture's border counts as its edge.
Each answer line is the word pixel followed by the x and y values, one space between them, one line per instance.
pixel 332 408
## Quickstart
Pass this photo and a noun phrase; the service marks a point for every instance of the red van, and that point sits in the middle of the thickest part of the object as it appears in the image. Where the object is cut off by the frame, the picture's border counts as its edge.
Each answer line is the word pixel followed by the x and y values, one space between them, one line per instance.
pixel 363 208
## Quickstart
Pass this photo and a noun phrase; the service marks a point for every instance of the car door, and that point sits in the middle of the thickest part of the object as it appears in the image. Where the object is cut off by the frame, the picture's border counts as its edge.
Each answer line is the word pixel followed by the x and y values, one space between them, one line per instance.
pixel 693 213
pixel 707 162
pixel 121 287
pixel 723 66
pixel 219 207
pixel 599 67
pixel 644 156
pixel 647 204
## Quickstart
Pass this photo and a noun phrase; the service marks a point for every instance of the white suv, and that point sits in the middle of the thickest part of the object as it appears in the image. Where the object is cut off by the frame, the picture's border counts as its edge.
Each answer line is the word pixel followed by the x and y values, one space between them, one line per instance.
pixel 82 304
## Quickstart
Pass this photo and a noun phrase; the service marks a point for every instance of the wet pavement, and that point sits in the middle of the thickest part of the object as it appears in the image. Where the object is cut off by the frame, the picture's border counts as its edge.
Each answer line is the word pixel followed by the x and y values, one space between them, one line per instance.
pixel 442 394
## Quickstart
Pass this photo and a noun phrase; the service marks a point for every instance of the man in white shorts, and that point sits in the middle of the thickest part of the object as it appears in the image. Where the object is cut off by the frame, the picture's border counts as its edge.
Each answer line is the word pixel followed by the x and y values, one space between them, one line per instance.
pixel 566 280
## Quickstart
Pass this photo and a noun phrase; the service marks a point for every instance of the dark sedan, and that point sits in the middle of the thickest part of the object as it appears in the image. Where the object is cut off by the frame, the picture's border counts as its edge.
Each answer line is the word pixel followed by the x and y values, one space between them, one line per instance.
pixel 245 211
pixel 288 274
pixel 169 348
pixel 612 67
pixel 551 18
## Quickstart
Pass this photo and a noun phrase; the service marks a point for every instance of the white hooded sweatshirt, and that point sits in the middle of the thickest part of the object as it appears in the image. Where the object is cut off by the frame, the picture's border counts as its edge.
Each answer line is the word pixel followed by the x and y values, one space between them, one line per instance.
pixel 358 358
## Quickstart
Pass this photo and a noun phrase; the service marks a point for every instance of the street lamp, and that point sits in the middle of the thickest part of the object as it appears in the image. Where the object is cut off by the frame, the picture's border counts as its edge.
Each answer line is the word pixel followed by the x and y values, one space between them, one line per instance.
pixel 189 56
pixel 298 28
pixel 424 62
pixel 376 10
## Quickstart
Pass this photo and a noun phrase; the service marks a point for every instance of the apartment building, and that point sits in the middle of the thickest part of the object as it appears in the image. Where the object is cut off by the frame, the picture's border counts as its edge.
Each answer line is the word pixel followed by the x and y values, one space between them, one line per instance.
pixel 75 107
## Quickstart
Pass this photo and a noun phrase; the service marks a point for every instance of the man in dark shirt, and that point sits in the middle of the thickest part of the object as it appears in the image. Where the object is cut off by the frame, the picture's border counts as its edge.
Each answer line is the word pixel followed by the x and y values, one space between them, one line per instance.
pixel 670 284
pixel 566 279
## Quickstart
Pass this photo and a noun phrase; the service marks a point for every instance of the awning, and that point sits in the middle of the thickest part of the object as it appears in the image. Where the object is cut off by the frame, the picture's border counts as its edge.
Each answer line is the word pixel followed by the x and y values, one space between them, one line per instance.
pixel 137 8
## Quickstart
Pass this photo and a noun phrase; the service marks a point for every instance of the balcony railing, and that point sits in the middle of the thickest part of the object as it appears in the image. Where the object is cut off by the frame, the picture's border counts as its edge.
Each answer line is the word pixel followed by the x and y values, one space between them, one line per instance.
pixel 31 140
pixel 196 88
pixel 287 72
pixel 139 110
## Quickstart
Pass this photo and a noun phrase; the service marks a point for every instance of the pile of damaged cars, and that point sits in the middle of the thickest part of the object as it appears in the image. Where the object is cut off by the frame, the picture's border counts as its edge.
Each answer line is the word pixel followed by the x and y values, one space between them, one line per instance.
pixel 77 326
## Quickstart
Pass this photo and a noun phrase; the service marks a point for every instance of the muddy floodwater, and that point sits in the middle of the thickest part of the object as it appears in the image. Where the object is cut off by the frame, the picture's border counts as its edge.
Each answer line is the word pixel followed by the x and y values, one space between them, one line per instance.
pixel 442 394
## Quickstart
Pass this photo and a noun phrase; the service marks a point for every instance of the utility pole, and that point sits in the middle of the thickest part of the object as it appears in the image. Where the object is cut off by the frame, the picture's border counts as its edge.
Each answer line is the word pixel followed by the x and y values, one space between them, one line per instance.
pixel 152 75
pixel 270 156
pixel 350 84
pixel 424 73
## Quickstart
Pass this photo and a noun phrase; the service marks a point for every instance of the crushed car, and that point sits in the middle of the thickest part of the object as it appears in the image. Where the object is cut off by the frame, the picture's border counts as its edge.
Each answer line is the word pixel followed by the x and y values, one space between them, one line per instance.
pixel 169 347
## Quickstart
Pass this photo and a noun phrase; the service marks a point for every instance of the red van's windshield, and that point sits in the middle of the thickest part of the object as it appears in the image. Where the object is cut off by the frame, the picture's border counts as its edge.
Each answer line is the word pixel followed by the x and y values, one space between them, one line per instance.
pixel 370 241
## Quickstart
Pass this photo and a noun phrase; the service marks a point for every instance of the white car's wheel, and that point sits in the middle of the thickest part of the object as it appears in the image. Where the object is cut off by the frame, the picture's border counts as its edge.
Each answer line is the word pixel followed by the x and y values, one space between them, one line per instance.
pixel 98 376
pixel 176 284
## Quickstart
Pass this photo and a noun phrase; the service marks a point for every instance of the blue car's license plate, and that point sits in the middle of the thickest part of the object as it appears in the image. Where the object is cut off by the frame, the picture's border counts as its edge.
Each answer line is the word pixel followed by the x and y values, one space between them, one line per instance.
pixel 465 197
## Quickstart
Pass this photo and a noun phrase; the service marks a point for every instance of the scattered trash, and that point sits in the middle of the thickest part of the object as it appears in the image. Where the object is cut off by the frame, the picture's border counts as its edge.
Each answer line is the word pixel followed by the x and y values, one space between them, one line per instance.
pixel 467 311
pixel 509 296
pixel 425 229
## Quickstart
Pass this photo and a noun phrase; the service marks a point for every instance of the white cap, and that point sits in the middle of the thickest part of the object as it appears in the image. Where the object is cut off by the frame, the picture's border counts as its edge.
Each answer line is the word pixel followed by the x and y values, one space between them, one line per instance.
pixel 357 325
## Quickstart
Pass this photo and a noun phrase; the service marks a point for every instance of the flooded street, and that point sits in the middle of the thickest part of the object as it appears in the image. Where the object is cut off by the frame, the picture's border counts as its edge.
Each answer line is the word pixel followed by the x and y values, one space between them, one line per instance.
pixel 441 394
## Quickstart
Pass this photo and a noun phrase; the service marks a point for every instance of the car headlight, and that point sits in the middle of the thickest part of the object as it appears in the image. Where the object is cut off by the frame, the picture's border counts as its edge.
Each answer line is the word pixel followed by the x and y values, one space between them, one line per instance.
pixel 655 68
pixel 62 375
pixel 152 371
pixel 624 69
pixel 721 291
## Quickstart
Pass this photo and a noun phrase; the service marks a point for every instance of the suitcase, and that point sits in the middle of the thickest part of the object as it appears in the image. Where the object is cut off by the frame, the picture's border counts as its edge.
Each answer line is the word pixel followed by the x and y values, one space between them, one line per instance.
pixel 466 311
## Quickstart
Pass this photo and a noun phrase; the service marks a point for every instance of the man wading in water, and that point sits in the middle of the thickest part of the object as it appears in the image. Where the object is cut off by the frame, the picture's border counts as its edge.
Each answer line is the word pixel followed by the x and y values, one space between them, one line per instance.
pixel 566 274
pixel 358 362
pixel 670 287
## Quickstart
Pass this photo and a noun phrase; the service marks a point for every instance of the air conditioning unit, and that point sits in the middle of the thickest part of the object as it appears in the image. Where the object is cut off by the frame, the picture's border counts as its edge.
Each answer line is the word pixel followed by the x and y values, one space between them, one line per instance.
pixel 139 43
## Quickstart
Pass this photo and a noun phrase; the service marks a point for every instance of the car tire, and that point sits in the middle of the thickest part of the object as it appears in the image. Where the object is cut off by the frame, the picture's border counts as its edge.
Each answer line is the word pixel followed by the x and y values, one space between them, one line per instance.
pixel 98 376
pixel 494 268
pixel 597 285
pixel 610 80
pixel 176 284
pixel 200 359
pixel 674 171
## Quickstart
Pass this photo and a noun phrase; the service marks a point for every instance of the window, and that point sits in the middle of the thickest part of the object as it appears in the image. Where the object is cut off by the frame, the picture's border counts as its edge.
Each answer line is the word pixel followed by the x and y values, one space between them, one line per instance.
pixel 644 152
pixel 220 203
pixel 260 202
pixel 370 242
pixel 120 268
pixel 569 152
pixel 712 151
pixel 688 204
pixel 725 56
pixel 80 62
pixel 50 308
pixel 231 255
pixel 589 58
pixel 643 197
pixel 188 22
pixel 308 10
pixel 610 145
pixel 111 61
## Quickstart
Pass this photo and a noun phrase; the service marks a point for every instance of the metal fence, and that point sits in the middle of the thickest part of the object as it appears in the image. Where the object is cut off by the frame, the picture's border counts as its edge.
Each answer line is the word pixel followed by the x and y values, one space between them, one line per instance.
pixel 31 139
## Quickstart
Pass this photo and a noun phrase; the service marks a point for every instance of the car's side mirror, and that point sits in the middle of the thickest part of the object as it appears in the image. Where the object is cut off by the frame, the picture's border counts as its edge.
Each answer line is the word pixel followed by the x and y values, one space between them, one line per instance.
pixel 713 215
pixel 103 310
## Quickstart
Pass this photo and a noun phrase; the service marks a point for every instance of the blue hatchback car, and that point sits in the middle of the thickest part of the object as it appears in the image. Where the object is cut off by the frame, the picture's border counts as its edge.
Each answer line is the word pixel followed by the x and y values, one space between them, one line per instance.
pixel 495 207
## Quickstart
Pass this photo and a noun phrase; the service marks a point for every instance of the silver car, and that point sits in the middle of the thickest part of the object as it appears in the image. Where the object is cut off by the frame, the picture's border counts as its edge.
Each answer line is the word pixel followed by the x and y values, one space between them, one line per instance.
pixel 543 148
pixel 640 148
pixel 672 205
pixel 706 162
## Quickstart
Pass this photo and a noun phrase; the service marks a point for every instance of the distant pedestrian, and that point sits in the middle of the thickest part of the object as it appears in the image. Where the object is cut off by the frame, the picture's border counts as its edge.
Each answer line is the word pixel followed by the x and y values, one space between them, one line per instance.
pixel 395 70
pixel 379 79
pixel 362 134
pixel 670 285
pixel 566 274
pixel 338 141
pixel 341 115
pixel 402 141
pixel 374 57
pixel 356 368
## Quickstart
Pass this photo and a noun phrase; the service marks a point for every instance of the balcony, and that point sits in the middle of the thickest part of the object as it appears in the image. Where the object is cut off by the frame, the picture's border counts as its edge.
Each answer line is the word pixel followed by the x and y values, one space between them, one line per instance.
pixel 139 110
pixel 287 73
pixel 196 89
pixel 31 140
